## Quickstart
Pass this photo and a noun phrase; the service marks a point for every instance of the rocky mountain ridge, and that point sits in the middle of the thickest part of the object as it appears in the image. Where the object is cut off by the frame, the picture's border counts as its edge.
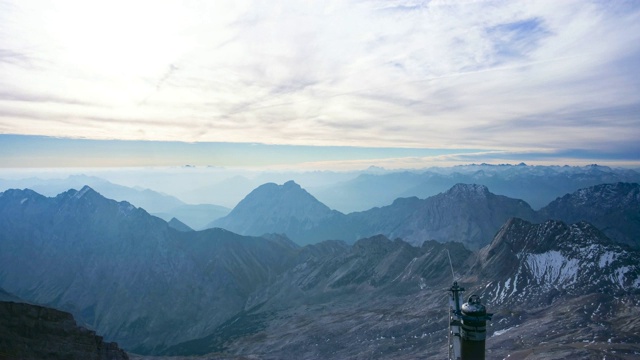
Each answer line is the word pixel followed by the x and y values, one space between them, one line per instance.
pixel 468 213
pixel 539 262
pixel 160 204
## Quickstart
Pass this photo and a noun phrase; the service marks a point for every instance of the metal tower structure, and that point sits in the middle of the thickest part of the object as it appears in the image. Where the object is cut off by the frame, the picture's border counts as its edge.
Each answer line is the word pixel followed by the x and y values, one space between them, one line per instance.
pixel 467 326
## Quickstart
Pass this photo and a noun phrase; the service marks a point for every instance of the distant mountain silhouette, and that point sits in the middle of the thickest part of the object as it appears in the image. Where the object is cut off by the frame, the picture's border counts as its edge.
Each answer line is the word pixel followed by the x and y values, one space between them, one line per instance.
pixel 287 208
pixel 466 213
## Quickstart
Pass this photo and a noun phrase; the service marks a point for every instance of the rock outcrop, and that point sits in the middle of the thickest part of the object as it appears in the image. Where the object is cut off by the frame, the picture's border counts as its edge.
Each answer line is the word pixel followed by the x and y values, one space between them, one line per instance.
pixel 36 332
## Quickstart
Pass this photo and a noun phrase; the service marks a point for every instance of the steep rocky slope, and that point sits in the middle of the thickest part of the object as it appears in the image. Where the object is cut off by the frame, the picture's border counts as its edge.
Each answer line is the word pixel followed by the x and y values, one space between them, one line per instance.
pixel 36 332
pixel 178 225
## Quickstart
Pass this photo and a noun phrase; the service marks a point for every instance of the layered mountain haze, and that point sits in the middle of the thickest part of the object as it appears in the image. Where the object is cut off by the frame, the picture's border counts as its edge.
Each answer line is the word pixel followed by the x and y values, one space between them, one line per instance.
pixel 467 213
pixel 537 185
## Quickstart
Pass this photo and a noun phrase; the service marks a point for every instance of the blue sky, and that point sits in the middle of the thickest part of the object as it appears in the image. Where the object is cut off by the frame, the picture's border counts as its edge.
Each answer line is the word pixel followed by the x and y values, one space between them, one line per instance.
pixel 342 84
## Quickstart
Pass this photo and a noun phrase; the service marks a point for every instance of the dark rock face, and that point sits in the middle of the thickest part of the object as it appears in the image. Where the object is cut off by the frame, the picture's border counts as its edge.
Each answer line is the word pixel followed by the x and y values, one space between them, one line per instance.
pixel 36 332
pixel 613 208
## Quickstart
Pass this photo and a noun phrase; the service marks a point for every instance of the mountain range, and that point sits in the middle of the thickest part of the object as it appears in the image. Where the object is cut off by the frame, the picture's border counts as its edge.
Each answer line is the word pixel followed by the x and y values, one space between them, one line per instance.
pixel 564 289
pixel 111 264
pixel 467 213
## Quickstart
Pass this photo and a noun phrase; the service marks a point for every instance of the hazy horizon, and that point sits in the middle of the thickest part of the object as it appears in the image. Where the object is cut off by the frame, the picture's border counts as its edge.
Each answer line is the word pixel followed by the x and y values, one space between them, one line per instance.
pixel 338 85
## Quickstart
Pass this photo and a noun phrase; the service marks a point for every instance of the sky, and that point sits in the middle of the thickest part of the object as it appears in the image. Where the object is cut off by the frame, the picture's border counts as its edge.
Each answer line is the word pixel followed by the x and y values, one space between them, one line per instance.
pixel 325 84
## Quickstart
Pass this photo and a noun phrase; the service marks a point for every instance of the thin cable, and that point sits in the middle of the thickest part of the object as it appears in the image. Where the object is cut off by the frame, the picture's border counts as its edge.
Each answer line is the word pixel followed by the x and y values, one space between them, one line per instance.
pixel 453 275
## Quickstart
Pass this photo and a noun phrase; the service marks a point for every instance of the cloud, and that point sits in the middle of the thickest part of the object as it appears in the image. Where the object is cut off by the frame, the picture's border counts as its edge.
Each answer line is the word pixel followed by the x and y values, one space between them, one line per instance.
pixel 441 74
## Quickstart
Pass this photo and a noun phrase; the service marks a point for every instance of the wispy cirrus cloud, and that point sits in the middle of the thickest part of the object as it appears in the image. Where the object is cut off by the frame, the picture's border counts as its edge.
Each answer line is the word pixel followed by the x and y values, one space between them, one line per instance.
pixel 438 74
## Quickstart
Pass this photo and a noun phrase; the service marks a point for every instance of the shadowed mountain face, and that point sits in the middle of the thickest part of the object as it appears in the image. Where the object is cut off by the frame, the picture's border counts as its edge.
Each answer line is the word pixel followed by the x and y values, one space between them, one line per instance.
pixel 36 332
pixel 124 272
pixel 612 208
pixel 341 297
pixel 179 225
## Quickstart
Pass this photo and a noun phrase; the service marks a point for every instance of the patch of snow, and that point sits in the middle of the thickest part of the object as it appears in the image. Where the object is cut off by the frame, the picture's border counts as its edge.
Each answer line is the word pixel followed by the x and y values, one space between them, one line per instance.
pixel 515 282
pixel 126 208
pixel 500 332
pixel 81 193
pixel 552 267
pixel 620 275
pixel 23 201
pixel 606 258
